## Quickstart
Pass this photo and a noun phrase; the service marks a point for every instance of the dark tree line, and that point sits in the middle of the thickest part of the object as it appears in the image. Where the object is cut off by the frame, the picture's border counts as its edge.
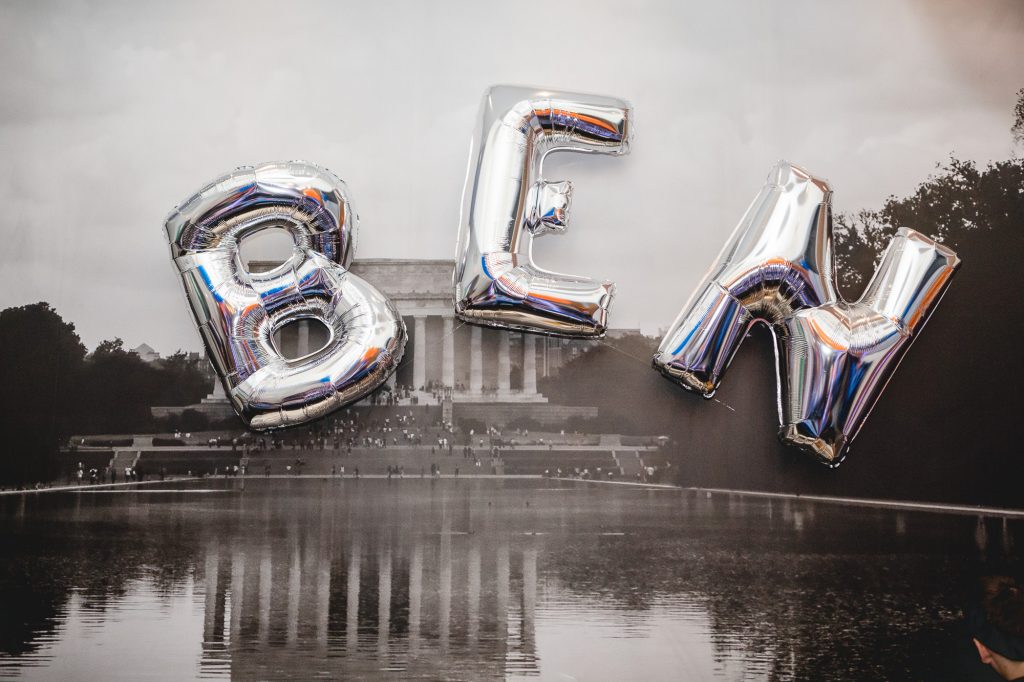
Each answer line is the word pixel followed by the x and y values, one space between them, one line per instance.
pixel 946 426
pixel 53 388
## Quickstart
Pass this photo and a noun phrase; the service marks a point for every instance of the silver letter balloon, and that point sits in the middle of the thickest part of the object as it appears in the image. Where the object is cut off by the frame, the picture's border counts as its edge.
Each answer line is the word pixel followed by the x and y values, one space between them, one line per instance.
pixel 834 358
pixel 238 311
pixel 506 199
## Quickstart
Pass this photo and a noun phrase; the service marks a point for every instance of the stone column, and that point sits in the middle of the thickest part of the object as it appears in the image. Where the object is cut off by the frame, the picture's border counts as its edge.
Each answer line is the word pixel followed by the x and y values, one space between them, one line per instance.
pixel 448 357
pixel 294 594
pixel 210 605
pixel 528 631
pixel 419 358
pixel 529 364
pixel 473 603
pixel 504 365
pixel 554 356
pixel 383 600
pixel 303 345
pixel 415 596
pixel 444 591
pixel 323 601
pixel 352 598
pixel 237 595
pixel 503 591
pixel 266 587
pixel 476 362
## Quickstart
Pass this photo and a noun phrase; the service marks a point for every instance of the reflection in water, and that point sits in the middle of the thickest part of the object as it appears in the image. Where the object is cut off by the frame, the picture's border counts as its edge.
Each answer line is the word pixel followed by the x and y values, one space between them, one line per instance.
pixel 478 579
pixel 981 534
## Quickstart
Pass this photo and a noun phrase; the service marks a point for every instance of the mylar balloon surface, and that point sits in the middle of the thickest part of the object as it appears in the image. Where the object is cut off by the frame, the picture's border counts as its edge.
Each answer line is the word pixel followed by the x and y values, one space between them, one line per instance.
pixel 834 358
pixel 506 203
pixel 238 312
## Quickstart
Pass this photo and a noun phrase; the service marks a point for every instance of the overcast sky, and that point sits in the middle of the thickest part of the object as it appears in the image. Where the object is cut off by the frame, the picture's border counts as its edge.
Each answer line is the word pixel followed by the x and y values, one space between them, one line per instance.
pixel 112 113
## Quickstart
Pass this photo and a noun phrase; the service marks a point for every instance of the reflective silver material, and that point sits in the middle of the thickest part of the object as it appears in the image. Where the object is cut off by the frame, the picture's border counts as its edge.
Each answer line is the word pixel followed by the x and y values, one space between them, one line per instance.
pixel 238 311
pixel 505 198
pixel 833 358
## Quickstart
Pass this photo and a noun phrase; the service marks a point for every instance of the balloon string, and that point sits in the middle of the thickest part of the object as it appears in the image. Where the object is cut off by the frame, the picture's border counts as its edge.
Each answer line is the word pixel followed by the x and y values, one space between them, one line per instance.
pixel 647 364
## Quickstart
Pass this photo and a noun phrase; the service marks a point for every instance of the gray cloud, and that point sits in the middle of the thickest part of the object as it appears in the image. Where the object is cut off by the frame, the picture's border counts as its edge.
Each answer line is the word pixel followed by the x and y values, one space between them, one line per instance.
pixel 111 113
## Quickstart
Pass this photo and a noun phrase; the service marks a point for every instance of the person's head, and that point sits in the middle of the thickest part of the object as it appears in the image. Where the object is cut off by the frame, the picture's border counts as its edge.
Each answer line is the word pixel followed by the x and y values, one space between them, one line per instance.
pixel 996 622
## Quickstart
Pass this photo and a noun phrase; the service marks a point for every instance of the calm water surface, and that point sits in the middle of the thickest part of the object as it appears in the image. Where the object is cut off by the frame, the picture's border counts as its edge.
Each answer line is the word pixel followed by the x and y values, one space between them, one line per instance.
pixel 478 580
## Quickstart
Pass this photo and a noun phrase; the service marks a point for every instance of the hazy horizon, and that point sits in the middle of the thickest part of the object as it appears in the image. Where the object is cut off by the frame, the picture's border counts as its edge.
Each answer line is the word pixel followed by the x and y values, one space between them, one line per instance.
pixel 112 114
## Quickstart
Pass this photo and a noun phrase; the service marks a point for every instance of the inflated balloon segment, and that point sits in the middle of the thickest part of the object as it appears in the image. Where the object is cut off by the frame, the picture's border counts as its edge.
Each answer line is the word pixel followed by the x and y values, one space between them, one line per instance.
pixel 834 357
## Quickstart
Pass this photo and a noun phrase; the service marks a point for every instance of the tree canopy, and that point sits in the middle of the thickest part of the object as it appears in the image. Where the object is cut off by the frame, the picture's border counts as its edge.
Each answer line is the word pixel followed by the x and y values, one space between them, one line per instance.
pixel 53 388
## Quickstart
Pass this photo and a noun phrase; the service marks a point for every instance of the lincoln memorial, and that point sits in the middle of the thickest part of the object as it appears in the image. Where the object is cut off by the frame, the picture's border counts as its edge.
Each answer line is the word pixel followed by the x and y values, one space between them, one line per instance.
pixel 492 374
pixel 478 364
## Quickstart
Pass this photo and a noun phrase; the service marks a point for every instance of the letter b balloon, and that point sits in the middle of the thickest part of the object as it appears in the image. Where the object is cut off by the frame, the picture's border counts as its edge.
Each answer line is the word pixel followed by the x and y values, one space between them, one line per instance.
pixel 238 312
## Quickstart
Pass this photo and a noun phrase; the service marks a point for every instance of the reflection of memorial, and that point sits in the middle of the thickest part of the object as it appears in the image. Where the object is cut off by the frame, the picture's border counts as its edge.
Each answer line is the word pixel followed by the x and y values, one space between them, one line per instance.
pixel 482 365
pixel 481 579
pixel 403 601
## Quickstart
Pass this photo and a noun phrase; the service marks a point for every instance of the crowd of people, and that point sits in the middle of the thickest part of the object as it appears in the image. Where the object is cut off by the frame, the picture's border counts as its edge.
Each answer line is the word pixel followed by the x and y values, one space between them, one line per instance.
pixel 382 429
pixel 130 473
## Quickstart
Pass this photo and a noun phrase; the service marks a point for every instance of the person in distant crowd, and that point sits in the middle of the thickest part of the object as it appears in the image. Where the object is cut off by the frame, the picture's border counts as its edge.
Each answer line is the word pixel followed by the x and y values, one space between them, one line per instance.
pixel 995 621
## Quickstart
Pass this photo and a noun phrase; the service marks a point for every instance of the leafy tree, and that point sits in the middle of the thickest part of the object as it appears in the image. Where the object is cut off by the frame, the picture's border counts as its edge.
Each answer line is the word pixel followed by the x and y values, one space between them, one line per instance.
pixel 109 347
pixel 119 386
pixel 956 206
pixel 1018 118
pixel 41 362
pixel 183 381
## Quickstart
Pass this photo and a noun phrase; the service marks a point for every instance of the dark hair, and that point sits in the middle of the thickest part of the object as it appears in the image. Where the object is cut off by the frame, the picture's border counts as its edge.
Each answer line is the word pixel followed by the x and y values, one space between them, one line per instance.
pixel 996 618
pixel 1003 599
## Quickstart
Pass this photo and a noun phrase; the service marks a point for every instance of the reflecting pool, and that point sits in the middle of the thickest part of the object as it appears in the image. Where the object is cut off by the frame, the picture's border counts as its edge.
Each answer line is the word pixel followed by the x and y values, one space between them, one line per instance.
pixel 481 579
